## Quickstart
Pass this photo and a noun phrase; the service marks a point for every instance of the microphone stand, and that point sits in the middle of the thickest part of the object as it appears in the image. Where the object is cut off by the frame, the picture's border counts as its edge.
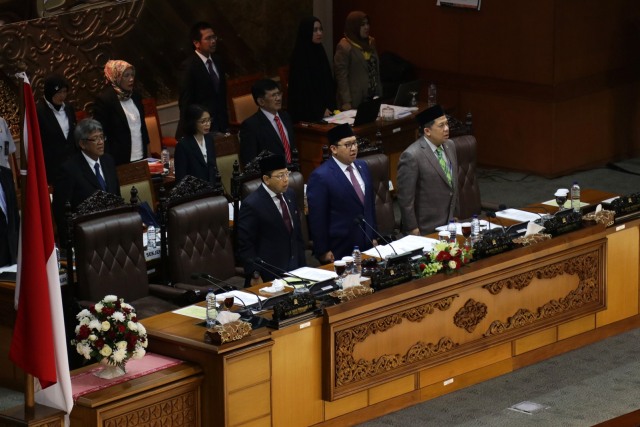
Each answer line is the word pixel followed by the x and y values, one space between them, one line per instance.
pixel 360 219
pixel 270 269
pixel 369 238
pixel 212 281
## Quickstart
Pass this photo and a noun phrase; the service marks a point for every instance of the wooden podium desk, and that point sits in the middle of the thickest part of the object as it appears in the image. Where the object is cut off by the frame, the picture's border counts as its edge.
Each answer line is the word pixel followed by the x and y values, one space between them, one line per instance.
pixel 421 339
pixel 396 135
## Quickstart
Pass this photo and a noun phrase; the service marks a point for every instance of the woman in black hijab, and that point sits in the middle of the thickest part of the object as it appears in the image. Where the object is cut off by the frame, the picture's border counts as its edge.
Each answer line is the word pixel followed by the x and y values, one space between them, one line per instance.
pixel 311 87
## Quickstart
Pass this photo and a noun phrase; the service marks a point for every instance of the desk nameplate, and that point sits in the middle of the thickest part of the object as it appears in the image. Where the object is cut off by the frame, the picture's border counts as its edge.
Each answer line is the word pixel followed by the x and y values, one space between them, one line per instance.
pixel 509 301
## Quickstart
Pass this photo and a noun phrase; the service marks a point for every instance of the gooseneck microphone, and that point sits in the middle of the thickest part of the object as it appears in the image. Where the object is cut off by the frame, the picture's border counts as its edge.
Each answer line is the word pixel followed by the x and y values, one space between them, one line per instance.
pixel 216 283
pixel 278 272
pixel 360 219
pixel 492 214
pixel 357 221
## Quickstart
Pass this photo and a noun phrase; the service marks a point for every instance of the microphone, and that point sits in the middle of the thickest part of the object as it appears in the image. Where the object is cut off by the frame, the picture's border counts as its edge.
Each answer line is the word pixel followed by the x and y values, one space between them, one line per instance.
pixel 212 281
pixel 279 273
pixel 492 214
pixel 360 219
pixel 357 221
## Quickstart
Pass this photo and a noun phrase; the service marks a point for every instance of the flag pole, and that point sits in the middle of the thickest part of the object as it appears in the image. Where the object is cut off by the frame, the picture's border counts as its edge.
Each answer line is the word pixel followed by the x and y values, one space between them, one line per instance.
pixel 29 392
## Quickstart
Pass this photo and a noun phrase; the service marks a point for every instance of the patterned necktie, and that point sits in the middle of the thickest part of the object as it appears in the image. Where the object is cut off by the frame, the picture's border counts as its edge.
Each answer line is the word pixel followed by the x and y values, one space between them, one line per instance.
pixel 212 73
pixel 285 212
pixel 283 137
pixel 103 184
pixel 356 184
pixel 443 164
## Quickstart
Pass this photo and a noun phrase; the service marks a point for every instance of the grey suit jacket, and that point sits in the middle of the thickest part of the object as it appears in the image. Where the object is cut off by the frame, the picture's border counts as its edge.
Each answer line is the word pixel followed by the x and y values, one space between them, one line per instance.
pixel 425 197
pixel 352 77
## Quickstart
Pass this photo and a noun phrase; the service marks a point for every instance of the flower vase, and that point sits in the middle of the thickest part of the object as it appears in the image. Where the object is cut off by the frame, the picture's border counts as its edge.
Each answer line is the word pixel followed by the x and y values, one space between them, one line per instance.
pixel 110 371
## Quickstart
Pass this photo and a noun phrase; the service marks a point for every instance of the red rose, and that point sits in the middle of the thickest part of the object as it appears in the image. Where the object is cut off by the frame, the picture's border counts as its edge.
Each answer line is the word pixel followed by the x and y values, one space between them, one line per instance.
pixel 423 266
pixel 121 328
pixel 84 332
pixel 99 343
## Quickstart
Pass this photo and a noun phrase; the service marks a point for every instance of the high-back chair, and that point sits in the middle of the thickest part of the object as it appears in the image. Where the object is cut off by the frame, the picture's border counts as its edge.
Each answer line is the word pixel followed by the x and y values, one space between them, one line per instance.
pixel 466 153
pixel 109 258
pixel 198 236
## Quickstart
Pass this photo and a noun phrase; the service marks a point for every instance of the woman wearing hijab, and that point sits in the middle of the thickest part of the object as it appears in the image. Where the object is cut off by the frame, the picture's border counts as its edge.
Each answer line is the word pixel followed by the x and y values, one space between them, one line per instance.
pixel 195 153
pixel 57 120
pixel 119 109
pixel 356 63
pixel 311 87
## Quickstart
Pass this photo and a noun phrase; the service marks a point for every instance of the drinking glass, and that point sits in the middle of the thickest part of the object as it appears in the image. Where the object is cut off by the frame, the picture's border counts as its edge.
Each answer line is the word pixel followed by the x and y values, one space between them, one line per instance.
pixel 466 232
pixel 340 267
pixel 228 302
pixel 561 198
pixel 349 264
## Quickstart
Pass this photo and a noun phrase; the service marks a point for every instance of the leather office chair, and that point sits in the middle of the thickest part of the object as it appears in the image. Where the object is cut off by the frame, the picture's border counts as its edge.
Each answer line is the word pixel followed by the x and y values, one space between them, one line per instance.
pixel 466 152
pixel 109 260
pixel 198 236
pixel 137 175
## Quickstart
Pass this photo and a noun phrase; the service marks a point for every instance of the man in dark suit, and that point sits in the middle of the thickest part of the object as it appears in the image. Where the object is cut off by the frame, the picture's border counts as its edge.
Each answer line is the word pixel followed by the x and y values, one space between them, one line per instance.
pixel 120 111
pixel 427 176
pixel 9 219
pixel 202 80
pixel 269 128
pixel 57 121
pixel 269 223
pixel 339 191
pixel 84 173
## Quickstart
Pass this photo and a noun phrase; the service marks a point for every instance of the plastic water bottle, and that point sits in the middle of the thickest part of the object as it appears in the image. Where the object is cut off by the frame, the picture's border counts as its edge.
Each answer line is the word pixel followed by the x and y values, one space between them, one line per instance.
pixel 212 308
pixel 165 158
pixel 453 230
pixel 357 260
pixel 475 226
pixel 575 197
pixel 151 237
pixel 432 95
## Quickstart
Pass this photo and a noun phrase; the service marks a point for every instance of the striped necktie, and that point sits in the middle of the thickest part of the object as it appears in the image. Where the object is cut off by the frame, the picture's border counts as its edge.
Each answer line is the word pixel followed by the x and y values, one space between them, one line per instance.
pixel 283 137
pixel 443 164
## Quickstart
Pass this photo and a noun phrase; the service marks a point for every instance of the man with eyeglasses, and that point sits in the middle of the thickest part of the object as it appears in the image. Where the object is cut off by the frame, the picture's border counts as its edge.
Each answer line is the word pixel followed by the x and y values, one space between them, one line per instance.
pixel 202 79
pixel 339 192
pixel 427 176
pixel 84 173
pixel 269 223
pixel 269 128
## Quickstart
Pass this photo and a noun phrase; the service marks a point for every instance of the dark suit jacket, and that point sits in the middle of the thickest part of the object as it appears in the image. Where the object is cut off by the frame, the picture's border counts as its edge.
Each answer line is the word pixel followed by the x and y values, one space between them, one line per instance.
pixel 333 206
pixel 257 134
pixel 9 224
pixel 262 233
pixel 56 148
pixel 196 87
pixel 190 161
pixel 76 182
pixel 425 197
pixel 108 111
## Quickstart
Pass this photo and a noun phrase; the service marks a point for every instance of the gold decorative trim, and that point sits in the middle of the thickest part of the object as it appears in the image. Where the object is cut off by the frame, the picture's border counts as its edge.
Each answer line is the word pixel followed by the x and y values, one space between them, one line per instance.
pixel 584 266
pixel 470 315
pixel 176 411
pixel 348 370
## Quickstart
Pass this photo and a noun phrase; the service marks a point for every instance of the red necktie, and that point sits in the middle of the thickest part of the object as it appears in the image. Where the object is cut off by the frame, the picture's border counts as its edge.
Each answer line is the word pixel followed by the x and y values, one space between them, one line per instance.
pixel 356 184
pixel 283 137
pixel 285 212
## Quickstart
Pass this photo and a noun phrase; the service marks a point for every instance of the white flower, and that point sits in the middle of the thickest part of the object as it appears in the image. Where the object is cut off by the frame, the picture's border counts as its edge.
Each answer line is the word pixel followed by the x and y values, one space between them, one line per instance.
pixel 118 316
pixel 84 350
pixel 125 306
pixel 452 264
pixel 144 342
pixel 83 313
pixel 105 326
pixel 98 307
pixel 110 298
pixel 85 321
pixel 138 353
pixel 77 329
pixel 106 351
pixel 132 326
pixel 141 329
pixel 121 344
pixel 454 251
pixel 92 337
pixel 95 325
pixel 119 355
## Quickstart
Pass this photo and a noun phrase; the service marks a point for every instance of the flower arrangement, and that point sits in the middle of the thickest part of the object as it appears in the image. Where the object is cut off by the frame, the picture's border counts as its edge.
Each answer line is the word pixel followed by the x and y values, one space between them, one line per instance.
pixel 109 332
pixel 445 256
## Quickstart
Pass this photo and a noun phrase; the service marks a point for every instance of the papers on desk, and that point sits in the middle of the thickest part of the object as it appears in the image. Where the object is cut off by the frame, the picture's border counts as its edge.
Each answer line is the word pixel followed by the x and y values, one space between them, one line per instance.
pixel 406 244
pixel 240 297
pixel 314 274
pixel 610 200
pixel 194 311
pixel 517 215
pixel 9 269
pixel 567 204
pixel 483 225
pixel 350 115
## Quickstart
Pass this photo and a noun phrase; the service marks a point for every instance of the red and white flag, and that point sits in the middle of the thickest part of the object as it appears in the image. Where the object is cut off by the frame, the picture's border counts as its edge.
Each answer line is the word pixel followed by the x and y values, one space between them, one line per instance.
pixel 39 345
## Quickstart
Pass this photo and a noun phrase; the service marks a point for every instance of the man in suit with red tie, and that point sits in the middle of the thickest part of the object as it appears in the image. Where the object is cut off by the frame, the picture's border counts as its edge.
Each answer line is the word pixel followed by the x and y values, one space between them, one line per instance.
pixel 269 223
pixel 84 173
pixel 269 128
pixel 202 80
pixel 339 192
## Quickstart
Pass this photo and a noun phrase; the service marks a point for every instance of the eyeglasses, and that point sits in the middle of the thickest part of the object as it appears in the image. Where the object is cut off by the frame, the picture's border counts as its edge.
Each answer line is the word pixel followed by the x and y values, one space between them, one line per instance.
pixel 211 38
pixel 98 138
pixel 273 95
pixel 205 121
pixel 282 176
pixel 348 145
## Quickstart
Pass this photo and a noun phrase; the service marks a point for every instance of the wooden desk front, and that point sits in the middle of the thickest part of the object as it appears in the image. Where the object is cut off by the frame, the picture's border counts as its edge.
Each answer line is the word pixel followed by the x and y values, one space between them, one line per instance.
pixel 396 136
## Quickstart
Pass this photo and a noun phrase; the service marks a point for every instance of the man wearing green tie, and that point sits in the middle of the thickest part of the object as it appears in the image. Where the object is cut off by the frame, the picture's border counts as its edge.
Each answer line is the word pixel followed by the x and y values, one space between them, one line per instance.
pixel 427 176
